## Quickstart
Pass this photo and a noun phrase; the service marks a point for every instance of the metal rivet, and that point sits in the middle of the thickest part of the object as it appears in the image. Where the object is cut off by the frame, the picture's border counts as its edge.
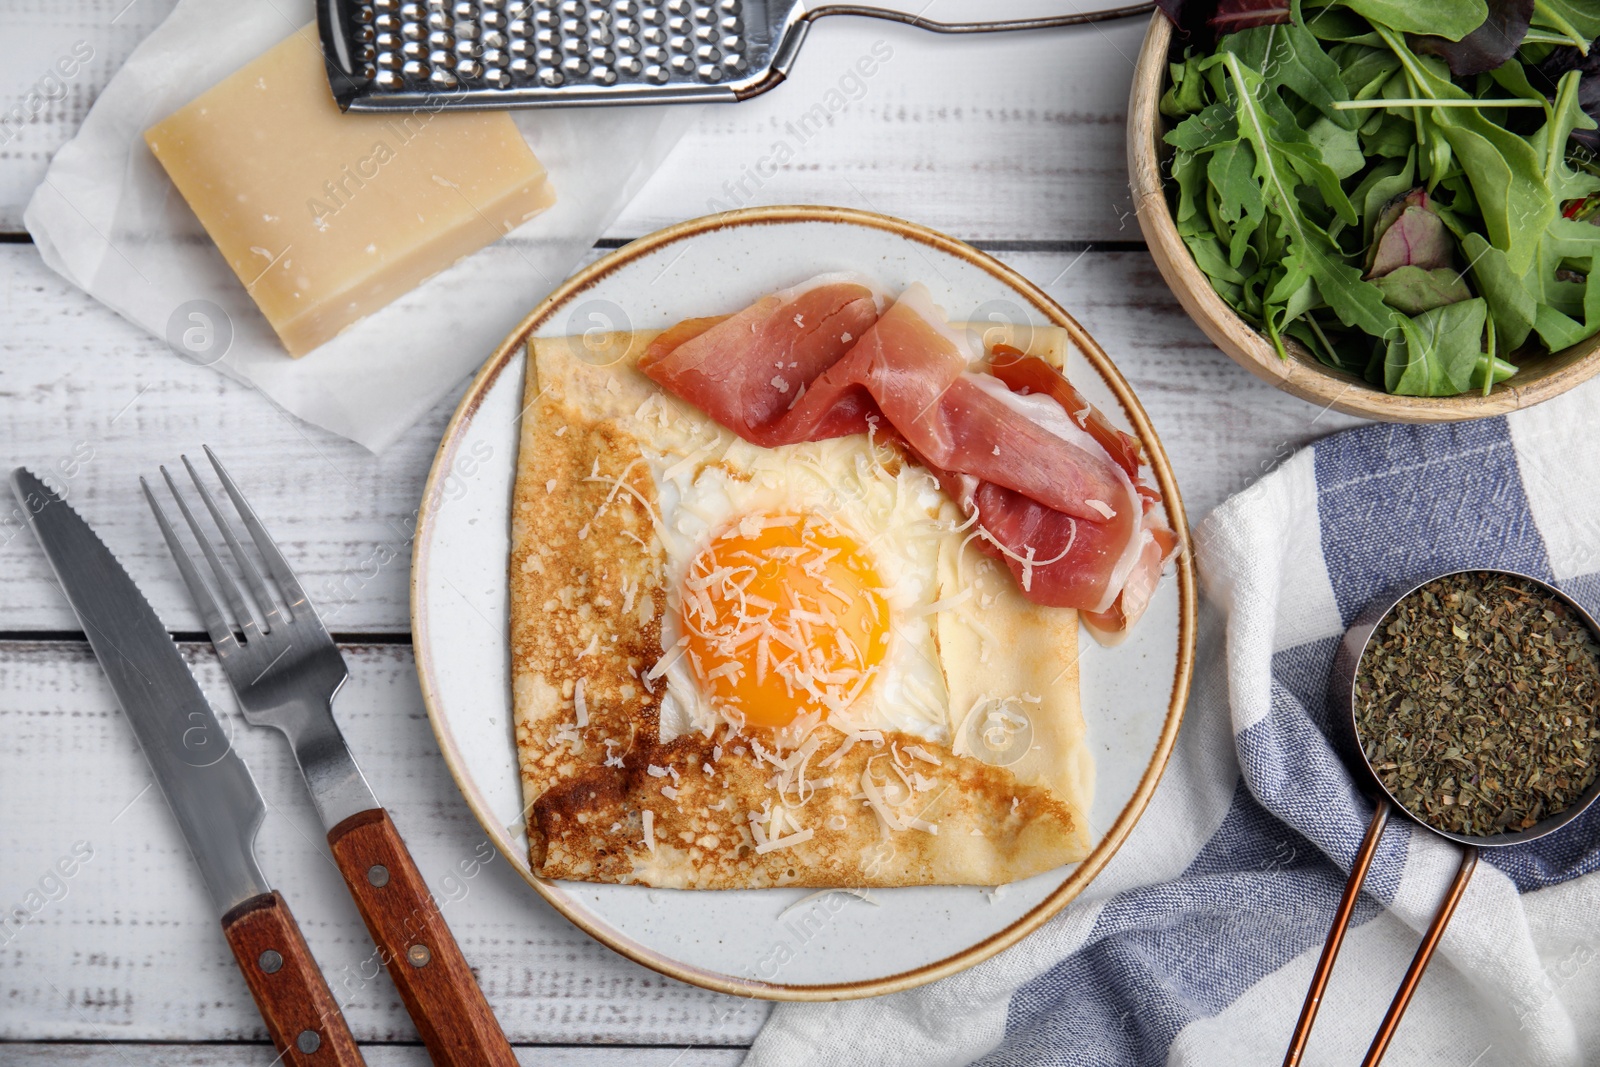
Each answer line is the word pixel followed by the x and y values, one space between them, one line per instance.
pixel 308 1041
pixel 378 875
pixel 270 961
pixel 418 955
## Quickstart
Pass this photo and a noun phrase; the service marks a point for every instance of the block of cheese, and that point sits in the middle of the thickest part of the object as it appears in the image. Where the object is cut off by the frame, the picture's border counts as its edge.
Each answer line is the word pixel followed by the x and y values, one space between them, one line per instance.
pixel 325 216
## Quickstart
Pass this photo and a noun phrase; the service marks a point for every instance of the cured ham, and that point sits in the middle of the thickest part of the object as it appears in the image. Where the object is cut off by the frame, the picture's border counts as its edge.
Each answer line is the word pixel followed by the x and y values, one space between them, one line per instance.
pixel 1056 490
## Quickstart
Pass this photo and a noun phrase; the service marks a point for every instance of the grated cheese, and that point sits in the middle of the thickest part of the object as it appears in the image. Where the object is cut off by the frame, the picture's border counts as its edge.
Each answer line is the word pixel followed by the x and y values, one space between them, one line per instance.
pixel 796 838
pixel 648 817
pixel 580 706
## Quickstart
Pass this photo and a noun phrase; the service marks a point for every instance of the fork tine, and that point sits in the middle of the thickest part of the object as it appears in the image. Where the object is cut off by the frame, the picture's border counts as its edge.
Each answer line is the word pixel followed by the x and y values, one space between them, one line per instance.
pixel 230 588
pixel 269 549
pixel 252 576
pixel 216 623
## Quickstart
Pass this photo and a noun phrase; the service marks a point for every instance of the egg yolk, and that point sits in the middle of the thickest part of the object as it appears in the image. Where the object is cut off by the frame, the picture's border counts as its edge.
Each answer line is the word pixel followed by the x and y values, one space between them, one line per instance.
pixel 784 615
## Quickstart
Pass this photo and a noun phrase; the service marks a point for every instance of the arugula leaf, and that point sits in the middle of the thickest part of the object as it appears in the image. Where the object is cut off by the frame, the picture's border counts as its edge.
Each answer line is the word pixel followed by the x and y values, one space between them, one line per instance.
pixel 1436 352
pixel 1504 169
pixel 1204 130
pixel 1567 17
pixel 1340 147
pixel 1385 182
pixel 1513 306
pixel 1232 174
pixel 1290 57
pixel 1413 290
pixel 1452 19
pixel 1277 167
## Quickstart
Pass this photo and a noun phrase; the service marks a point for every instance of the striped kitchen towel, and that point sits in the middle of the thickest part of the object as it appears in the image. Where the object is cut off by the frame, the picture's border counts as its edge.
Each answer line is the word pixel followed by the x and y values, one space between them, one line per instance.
pixel 1196 943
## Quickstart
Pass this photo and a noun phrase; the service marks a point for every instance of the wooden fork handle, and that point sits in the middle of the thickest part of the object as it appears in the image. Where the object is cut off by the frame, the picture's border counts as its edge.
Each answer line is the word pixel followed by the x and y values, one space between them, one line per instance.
pixel 287 985
pixel 416 946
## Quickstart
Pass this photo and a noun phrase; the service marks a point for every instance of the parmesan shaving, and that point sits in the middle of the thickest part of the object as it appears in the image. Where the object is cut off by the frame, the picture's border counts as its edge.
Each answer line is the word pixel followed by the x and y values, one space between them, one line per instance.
pixel 648 817
pixel 580 706
pixel 796 838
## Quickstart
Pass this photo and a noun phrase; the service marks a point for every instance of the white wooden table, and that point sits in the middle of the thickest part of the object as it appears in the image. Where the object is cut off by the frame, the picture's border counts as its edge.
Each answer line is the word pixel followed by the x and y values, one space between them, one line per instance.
pixel 1015 144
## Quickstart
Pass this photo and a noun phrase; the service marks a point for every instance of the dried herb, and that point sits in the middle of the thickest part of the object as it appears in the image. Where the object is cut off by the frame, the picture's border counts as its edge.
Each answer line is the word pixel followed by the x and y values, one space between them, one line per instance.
pixel 1476 703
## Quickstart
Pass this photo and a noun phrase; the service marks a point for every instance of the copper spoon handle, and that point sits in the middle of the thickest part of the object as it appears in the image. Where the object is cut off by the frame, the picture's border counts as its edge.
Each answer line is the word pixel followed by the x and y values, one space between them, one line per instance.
pixel 1419 962
pixel 1341 923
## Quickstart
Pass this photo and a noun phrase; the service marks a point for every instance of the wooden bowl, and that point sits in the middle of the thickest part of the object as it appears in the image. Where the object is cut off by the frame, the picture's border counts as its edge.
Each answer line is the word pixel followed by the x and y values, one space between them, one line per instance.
pixel 1541 378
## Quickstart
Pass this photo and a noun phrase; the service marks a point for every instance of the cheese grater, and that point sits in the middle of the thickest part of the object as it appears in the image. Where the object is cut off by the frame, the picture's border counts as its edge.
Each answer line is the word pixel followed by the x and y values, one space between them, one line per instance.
pixel 388 55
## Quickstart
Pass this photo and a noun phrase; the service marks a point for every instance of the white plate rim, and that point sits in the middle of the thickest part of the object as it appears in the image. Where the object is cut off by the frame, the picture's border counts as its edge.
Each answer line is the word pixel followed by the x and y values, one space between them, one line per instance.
pixel 516 342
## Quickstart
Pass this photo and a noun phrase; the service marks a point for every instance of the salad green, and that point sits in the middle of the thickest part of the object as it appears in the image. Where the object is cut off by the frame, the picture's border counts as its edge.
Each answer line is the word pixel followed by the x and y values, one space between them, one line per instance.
pixel 1406 189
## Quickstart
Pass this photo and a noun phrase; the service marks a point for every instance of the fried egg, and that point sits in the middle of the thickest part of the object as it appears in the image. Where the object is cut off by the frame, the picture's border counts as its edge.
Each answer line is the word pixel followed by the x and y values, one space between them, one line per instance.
pixel 802 585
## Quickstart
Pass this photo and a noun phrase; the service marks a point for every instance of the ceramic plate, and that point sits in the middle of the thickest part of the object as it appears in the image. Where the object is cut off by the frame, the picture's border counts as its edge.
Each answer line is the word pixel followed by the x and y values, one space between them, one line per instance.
pixel 746 942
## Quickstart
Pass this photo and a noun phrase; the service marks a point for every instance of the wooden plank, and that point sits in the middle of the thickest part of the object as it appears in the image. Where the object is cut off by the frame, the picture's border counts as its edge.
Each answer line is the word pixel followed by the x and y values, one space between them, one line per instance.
pixel 78 381
pixel 68 1054
pixel 121 942
pixel 995 136
pixel 41 103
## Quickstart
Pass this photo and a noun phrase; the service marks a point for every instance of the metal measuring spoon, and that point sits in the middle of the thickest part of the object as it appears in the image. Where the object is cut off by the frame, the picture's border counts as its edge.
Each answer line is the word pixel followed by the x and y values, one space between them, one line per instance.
pixel 1341 694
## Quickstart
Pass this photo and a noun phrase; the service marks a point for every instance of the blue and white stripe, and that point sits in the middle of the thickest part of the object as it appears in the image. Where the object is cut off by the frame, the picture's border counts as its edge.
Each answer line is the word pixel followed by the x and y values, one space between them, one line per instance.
pixel 1196 943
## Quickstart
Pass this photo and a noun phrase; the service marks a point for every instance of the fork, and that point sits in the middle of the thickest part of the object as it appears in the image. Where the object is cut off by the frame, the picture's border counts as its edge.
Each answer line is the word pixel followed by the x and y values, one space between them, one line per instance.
pixel 285 671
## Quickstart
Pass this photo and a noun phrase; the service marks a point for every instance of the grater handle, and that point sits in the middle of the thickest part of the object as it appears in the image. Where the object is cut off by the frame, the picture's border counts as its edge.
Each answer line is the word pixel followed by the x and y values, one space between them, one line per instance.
pixel 910 13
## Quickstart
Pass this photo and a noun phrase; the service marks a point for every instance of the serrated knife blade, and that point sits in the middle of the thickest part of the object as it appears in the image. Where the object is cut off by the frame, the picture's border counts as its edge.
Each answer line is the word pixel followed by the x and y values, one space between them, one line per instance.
pixel 207 785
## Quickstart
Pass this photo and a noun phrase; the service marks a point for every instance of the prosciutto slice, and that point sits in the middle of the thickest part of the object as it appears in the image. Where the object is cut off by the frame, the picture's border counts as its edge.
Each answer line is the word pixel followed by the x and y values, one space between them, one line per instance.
pixel 1055 488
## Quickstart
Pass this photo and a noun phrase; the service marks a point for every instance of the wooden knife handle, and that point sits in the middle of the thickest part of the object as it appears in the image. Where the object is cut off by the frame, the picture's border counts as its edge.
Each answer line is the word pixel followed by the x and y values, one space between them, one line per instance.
pixel 287 985
pixel 416 946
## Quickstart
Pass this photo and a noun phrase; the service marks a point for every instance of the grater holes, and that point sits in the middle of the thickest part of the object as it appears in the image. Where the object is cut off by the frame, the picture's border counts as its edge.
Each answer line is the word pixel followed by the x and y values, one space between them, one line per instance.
pixel 627 46
pixel 521 67
pixel 411 49
pixel 443 78
pixel 494 39
pixel 629 65
pixel 550 78
pixel 656 74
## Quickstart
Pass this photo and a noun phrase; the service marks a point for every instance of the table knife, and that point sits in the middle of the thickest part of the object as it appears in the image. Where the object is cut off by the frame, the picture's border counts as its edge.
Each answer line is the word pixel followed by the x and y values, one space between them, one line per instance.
pixel 207 786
